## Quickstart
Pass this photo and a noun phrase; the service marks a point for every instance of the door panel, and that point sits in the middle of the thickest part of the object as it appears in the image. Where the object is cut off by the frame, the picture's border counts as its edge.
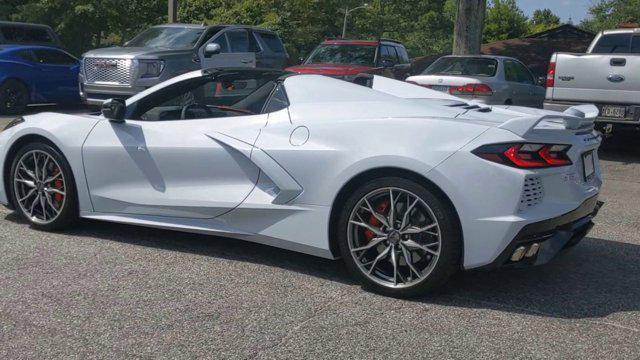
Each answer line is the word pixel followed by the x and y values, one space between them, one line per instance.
pixel 170 168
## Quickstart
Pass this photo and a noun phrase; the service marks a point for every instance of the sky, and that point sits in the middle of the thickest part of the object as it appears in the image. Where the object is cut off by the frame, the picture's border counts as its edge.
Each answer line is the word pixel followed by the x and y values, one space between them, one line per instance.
pixel 565 9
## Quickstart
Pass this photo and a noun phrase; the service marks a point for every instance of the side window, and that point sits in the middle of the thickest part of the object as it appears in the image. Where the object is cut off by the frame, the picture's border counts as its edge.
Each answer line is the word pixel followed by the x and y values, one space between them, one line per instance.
pixel 253 43
pixel 26 55
pixel 403 55
pixel 613 44
pixel 524 75
pixel 272 41
pixel 206 98
pixel 53 57
pixel 222 41
pixel 389 53
pixel 238 41
pixel 510 71
pixel 26 34
pixel 278 100
pixel 635 45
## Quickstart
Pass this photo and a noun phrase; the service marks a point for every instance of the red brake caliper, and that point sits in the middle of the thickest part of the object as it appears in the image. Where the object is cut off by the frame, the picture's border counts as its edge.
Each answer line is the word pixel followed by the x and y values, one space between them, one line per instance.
pixel 382 209
pixel 58 184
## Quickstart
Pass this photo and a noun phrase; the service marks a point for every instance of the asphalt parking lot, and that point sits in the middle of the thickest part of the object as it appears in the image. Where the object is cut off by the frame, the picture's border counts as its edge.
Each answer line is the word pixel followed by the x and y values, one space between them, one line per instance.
pixel 106 290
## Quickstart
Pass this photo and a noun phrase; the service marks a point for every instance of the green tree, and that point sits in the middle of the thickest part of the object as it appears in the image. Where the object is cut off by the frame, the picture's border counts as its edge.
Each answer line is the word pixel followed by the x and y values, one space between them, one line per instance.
pixel 504 20
pixel 86 24
pixel 609 14
pixel 543 19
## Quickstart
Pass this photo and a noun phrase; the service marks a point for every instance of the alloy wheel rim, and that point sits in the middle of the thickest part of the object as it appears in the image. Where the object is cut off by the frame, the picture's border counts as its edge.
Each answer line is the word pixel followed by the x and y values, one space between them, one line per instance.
pixel 40 187
pixel 394 237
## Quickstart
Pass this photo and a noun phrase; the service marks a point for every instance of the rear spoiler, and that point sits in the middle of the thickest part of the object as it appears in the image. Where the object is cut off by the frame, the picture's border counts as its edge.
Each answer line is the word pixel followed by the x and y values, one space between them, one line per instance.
pixel 574 118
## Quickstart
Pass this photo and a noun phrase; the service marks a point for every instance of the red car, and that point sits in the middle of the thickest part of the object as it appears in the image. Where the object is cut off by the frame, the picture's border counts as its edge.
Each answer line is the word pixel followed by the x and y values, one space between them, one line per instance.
pixel 346 59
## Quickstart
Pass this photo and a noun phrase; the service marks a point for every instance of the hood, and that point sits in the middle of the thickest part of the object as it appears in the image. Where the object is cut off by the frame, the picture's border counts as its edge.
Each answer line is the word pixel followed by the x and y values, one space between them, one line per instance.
pixel 446 80
pixel 133 52
pixel 330 69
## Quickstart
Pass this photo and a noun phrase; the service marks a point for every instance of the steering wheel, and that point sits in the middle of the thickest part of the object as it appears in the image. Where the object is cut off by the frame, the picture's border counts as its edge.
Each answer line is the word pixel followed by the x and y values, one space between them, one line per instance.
pixel 186 108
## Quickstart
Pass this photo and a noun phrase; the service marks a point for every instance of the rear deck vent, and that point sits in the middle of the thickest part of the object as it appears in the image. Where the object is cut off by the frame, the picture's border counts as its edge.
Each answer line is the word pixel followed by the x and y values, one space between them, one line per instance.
pixel 532 193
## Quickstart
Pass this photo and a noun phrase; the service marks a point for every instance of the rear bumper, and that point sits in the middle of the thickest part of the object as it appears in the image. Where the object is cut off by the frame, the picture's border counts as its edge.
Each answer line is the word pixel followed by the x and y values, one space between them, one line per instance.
pixel 552 236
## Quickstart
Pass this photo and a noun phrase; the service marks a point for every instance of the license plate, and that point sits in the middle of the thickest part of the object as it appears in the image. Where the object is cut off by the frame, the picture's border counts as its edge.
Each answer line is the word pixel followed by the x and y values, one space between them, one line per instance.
pixel 616 112
pixel 589 165
pixel 440 88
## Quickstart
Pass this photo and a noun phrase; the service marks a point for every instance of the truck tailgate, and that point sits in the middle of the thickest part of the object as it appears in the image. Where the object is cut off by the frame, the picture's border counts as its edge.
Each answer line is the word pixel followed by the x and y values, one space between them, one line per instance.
pixel 597 78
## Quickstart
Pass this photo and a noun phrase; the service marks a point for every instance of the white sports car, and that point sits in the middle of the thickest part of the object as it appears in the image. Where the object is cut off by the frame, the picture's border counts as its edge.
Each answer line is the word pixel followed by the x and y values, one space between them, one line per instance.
pixel 407 185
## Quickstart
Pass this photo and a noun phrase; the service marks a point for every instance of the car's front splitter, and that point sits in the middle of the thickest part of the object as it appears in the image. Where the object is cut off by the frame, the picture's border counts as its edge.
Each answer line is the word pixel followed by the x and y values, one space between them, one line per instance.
pixel 539 242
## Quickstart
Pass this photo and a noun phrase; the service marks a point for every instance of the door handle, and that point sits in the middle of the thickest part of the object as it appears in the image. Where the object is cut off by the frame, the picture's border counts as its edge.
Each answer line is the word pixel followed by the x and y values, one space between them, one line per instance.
pixel 618 62
pixel 245 61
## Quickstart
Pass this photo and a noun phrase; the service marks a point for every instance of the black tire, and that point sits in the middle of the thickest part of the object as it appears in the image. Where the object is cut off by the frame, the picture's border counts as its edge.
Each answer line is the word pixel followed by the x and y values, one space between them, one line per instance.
pixel 68 211
pixel 450 249
pixel 14 97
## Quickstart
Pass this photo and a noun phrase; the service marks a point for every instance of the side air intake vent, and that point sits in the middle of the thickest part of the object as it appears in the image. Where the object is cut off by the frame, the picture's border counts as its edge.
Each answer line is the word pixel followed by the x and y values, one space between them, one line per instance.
pixel 532 193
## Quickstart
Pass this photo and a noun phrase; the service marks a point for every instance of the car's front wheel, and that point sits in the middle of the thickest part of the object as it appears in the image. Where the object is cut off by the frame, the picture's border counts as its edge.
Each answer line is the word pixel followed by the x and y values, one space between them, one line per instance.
pixel 399 238
pixel 43 188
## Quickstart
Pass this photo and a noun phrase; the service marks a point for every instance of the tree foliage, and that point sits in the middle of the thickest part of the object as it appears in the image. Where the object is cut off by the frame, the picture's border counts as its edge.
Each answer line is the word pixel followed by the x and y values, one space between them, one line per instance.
pixel 504 20
pixel 543 19
pixel 424 26
pixel 609 14
pixel 85 24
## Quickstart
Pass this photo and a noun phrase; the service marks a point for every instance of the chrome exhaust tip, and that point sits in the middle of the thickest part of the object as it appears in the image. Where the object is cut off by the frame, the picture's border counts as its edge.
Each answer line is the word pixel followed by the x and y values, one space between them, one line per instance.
pixel 533 250
pixel 518 254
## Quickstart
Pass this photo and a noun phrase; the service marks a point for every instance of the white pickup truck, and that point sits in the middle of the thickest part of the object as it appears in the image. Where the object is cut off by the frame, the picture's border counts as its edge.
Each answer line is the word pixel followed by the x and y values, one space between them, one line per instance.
pixel 608 75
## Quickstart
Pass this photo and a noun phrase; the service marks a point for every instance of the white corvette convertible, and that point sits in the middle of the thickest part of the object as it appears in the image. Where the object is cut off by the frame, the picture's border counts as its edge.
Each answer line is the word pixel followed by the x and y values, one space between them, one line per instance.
pixel 405 184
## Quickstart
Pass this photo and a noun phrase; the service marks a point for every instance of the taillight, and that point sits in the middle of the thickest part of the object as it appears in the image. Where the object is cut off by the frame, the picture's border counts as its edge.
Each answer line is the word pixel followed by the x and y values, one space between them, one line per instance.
pixel 551 74
pixel 471 89
pixel 526 155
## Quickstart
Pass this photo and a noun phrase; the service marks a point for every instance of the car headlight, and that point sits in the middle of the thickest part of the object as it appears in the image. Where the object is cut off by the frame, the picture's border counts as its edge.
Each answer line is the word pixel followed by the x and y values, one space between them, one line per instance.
pixel 151 68
pixel 14 122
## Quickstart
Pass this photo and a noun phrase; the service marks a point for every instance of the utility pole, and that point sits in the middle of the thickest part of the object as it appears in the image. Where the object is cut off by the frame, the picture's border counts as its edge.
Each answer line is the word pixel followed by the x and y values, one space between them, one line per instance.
pixel 348 11
pixel 173 11
pixel 467 36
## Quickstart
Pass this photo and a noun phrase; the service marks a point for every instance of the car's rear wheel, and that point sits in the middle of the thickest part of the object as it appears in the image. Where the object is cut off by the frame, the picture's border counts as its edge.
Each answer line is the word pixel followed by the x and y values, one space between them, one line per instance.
pixel 14 97
pixel 399 238
pixel 43 188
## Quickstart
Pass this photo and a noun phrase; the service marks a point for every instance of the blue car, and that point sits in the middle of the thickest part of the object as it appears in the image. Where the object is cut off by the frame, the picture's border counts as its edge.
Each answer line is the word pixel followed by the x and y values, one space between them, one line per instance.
pixel 36 75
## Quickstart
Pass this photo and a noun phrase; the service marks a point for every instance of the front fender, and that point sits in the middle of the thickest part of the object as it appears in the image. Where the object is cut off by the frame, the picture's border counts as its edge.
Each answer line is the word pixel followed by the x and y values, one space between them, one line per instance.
pixel 66 132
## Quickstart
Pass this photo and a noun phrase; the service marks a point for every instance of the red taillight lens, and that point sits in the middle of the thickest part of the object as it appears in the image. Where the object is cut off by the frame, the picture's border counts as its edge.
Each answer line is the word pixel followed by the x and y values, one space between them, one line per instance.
pixel 471 89
pixel 551 74
pixel 526 155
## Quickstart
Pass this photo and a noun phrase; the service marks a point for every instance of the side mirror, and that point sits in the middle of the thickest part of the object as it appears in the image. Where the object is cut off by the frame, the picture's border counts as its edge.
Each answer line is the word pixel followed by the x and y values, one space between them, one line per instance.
pixel 388 63
pixel 212 49
pixel 300 60
pixel 114 110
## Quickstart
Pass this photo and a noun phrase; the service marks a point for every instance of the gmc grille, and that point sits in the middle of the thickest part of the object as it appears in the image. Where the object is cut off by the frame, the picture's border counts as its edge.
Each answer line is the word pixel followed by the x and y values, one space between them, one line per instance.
pixel 111 71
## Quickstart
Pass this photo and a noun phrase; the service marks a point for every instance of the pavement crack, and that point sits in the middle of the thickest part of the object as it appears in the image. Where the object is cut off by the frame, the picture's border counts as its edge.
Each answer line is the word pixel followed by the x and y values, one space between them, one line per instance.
pixel 323 308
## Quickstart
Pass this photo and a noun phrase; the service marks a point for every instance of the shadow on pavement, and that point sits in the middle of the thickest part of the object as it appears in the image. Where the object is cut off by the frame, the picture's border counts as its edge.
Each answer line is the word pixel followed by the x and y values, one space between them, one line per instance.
pixel 624 148
pixel 592 280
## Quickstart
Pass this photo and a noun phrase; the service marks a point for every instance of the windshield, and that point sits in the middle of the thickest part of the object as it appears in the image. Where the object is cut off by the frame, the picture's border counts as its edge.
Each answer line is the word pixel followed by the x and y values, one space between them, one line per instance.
pixel 167 37
pixel 463 66
pixel 343 54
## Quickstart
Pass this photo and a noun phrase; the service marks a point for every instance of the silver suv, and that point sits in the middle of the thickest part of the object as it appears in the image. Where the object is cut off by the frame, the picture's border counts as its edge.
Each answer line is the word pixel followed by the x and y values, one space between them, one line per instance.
pixel 162 52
